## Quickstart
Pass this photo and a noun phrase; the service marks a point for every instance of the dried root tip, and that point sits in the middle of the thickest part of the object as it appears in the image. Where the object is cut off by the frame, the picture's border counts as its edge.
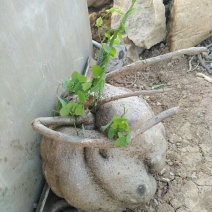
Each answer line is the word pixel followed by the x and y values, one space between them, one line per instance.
pixel 155 120
pixel 40 125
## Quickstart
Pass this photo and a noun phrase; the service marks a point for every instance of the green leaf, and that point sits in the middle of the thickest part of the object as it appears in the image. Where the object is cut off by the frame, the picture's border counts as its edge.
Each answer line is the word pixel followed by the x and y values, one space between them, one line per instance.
pixel 128 138
pixel 120 134
pixel 97 71
pixel 107 35
pixel 58 108
pixel 111 133
pixel 81 78
pixel 119 11
pixel 116 42
pixel 79 111
pixel 99 22
pixel 106 126
pixel 65 83
pixel 78 77
pixel 83 130
pixel 74 75
pixel 111 10
pixel 81 96
pixel 120 123
pixel 70 86
pixel 68 109
pixel 64 111
pixel 121 141
pixel 63 101
pixel 107 49
pixel 113 52
pixel 77 87
pixel 99 85
pixel 86 86
pixel 120 36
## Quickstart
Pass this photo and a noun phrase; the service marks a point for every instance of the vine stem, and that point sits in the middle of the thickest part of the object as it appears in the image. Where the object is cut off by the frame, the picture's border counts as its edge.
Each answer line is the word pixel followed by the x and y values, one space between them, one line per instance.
pixel 40 125
pixel 138 65
pixel 153 121
pixel 137 93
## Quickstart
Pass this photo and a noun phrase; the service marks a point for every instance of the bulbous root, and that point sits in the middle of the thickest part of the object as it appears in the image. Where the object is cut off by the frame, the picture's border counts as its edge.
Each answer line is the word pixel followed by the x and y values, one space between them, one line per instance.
pixel 41 126
pixel 139 65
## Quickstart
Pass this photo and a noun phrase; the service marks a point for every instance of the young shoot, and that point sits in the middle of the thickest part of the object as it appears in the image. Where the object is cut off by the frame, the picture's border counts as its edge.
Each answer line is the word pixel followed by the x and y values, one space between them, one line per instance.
pixel 87 93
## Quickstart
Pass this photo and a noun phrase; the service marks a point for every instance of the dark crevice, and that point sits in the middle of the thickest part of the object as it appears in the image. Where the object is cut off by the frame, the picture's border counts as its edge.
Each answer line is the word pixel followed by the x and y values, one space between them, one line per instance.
pixel 103 153
pixel 167 4
pixel 84 155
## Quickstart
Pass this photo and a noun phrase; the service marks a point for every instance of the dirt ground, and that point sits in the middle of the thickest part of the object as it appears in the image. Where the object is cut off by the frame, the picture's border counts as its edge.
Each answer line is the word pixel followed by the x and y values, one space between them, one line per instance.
pixel 185 183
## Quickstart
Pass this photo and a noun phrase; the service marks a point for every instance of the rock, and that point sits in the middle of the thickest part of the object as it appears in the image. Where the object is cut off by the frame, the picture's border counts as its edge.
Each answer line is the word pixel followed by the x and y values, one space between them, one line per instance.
pixel 112 179
pixel 185 131
pixel 165 208
pixel 119 60
pixel 133 51
pixel 191 196
pixel 190 23
pixel 97 3
pixel 146 27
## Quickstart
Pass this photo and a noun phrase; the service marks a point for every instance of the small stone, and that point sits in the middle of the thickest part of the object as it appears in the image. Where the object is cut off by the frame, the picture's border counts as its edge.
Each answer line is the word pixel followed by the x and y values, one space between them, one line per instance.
pixel 162 45
pixel 171 173
pixel 184 96
pixel 178 145
pixel 171 163
pixel 156 202
pixel 155 28
pixel 163 171
pixel 194 176
pixel 176 203
pixel 166 180
pixel 179 86
pixel 169 64
pixel 158 104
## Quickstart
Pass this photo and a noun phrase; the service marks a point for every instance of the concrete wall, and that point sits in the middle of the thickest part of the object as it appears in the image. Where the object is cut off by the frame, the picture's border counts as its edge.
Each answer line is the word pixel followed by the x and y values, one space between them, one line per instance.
pixel 41 43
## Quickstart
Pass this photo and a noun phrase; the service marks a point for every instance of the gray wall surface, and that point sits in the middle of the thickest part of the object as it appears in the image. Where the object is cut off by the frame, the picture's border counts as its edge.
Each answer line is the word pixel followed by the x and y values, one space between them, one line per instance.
pixel 41 43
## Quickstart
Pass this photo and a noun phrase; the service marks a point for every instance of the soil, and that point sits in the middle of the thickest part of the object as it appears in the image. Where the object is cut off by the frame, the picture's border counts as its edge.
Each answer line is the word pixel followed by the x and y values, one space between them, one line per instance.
pixel 185 183
pixel 95 13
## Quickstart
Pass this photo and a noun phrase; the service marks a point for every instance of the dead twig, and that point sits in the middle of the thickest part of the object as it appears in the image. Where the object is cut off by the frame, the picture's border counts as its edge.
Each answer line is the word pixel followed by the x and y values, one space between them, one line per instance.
pixel 155 120
pixel 205 77
pixel 165 190
pixel 190 65
pixel 137 66
pixel 203 64
pixel 208 46
pixel 137 93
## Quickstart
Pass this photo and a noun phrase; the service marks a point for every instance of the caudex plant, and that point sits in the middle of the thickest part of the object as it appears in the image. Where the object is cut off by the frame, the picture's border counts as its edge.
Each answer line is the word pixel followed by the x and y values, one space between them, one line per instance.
pixel 78 168
pixel 85 95
pixel 88 93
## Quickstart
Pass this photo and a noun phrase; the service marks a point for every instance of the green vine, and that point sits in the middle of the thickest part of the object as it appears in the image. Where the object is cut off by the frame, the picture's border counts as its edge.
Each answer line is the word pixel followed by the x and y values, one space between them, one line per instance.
pixel 88 93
